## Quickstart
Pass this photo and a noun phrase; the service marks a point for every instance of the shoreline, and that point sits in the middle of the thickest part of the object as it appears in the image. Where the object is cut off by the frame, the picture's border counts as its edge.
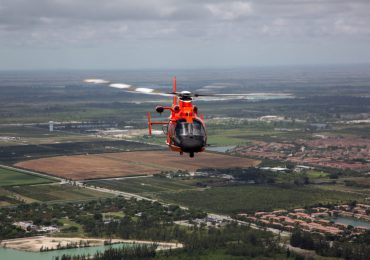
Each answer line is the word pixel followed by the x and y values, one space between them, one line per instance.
pixel 34 244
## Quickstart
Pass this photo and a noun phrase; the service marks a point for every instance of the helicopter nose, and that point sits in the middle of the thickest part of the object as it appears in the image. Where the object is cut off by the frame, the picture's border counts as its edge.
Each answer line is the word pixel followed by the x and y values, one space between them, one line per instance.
pixel 192 144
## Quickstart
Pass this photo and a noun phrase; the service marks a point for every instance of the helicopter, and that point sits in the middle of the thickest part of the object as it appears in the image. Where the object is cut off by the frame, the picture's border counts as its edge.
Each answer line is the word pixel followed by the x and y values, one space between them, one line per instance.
pixel 185 127
pixel 186 131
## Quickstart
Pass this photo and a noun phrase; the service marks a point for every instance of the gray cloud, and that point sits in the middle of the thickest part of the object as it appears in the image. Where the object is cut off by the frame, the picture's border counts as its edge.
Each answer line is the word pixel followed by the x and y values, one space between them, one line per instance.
pixel 93 19
pixel 207 24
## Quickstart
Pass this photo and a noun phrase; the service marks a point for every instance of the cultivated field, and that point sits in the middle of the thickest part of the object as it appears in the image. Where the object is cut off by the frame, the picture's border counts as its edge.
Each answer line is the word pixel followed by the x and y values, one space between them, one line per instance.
pixel 108 165
pixel 251 198
pixel 145 186
pixel 12 177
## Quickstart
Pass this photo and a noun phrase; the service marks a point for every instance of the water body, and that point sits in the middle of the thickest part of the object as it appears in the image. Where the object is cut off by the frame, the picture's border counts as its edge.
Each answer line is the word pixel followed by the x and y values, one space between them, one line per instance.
pixel 352 221
pixel 7 253
pixel 220 149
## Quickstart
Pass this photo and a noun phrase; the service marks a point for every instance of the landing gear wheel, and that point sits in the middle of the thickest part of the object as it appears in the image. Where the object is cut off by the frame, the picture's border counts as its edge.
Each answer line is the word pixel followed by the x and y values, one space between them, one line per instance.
pixel 191 155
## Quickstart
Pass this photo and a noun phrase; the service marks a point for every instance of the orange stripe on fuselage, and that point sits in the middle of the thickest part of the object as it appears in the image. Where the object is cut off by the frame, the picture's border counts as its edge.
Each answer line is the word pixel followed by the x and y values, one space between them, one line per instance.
pixel 186 110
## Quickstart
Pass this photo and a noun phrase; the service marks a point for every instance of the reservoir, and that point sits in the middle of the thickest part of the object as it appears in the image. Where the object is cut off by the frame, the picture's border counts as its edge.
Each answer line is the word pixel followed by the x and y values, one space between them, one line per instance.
pixel 12 254
pixel 352 221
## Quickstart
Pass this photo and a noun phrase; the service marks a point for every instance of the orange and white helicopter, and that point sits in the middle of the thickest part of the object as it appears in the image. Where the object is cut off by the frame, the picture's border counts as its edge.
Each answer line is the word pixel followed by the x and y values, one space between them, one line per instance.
pixel 185 128
pixel 186 131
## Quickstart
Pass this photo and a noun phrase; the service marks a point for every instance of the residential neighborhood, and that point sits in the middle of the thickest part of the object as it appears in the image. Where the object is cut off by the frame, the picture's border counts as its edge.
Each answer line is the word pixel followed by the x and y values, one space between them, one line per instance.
pixel 317 219
pixel 334 152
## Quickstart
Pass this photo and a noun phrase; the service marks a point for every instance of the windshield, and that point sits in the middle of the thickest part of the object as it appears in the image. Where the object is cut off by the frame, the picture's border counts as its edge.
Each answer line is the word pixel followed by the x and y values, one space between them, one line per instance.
pixel 184 128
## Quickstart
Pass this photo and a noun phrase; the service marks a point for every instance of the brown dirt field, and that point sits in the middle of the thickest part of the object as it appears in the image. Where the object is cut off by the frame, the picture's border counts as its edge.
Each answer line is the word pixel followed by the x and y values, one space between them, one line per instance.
pixel 110 165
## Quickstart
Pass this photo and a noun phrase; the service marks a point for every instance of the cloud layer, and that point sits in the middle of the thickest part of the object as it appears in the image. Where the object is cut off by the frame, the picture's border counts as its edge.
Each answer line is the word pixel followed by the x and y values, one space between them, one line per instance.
pixel 61 24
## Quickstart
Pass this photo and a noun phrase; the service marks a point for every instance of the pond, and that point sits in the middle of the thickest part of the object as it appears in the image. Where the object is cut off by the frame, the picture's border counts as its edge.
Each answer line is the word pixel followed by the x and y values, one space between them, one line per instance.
pixel 352 221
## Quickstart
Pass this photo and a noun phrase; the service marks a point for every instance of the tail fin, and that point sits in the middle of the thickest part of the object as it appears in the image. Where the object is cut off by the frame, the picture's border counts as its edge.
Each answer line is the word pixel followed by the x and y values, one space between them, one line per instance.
pixel 149 124
pixel 174 91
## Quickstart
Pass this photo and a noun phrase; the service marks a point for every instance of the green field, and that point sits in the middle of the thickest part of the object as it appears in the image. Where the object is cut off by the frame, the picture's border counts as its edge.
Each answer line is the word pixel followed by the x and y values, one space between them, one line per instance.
pixel 12 177
pixel 228 199
pixel 244 134
pixel 251 198
pixel 238 136
pixel 312 174
pixel 19 187
pixel 145 186
pixel 66 229
pixel 56 192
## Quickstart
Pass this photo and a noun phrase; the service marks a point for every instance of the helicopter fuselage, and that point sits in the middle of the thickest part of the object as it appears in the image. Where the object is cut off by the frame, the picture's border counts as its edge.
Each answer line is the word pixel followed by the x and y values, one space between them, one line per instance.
pixel 186 132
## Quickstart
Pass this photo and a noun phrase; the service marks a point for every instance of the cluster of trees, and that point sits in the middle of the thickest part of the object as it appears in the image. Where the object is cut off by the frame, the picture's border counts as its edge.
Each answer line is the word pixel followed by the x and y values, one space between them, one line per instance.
pixel 235 240
pixel 256 175
pixel 356 184
pixel 261 176
pixel 135 252
pixel 359 248
pixel 302 239
pixel 8 231
pixel 90 215
pixel 144 220
pixel 232 240
pixel 70 245
pixel 143 227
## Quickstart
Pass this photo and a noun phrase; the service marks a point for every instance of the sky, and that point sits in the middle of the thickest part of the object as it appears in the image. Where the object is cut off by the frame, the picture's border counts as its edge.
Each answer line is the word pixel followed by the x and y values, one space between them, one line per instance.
pixel 181 34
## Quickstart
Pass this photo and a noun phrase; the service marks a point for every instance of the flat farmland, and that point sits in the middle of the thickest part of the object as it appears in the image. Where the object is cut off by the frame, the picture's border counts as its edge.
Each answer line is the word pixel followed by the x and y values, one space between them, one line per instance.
pixel 110 165
pixel 10 177
pixel 251 198
pixel 144 185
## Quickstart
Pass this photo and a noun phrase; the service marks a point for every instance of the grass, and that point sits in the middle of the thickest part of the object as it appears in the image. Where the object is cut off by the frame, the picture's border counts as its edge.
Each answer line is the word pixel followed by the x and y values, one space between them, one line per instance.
pixel 67 223
pixel 13 177
pixel 142 185
pixel 239 136
pixel 115 215
pixel 243 135
pixel 59 192
pixel 316 174
pixel 251 198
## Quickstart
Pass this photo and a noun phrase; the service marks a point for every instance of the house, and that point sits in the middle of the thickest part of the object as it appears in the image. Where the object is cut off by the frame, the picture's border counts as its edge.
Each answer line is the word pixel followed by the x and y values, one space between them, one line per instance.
pixel 26 225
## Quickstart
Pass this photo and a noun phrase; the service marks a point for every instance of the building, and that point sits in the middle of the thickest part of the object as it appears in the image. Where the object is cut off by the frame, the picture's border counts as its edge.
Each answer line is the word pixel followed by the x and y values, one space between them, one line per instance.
pixel 51 126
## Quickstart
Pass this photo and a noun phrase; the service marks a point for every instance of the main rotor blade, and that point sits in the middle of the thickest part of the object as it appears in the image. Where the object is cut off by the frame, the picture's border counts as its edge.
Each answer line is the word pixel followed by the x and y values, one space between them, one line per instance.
pixel 126 87
pixel 151 91
pixel 189 94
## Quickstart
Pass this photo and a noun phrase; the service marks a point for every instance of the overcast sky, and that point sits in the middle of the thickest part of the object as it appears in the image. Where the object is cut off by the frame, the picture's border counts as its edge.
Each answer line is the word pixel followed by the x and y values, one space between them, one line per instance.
pixel 134 34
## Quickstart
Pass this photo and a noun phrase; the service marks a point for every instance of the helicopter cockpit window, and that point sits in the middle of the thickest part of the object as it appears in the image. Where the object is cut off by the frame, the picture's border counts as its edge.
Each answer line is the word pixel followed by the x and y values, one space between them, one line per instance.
pixel 184 129
pixel 198 128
